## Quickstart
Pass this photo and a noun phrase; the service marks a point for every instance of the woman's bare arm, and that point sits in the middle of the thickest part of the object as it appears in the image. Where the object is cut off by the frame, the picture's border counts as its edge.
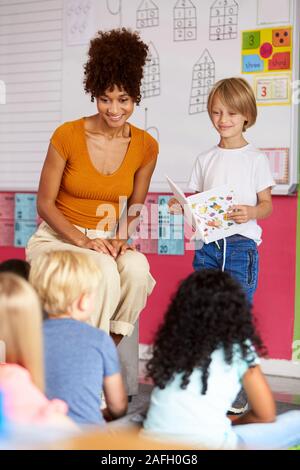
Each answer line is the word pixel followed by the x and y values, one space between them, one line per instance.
pixel 130 220
pixel 50 182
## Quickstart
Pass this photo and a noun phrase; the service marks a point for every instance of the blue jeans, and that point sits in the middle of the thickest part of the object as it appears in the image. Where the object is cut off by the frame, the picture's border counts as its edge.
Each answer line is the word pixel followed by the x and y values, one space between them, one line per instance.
pixel 241 261
pixel 282 434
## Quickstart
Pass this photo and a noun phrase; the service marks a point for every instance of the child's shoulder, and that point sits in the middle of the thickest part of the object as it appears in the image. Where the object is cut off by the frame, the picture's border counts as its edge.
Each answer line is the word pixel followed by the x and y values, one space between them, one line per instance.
pixel 207 154
pixel 254 151
pixel 61 326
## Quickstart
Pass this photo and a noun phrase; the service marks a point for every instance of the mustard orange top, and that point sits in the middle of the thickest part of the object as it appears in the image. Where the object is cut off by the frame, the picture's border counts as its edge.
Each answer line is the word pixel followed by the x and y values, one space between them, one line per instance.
pixel 83 188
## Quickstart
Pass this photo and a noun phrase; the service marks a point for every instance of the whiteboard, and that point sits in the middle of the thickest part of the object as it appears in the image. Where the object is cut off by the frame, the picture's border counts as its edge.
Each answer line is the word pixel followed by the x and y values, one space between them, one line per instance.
pixel 31 61
pixel 182 35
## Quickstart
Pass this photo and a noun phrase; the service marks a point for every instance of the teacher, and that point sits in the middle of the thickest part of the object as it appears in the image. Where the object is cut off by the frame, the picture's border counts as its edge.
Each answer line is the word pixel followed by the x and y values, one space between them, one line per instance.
pixel 94 165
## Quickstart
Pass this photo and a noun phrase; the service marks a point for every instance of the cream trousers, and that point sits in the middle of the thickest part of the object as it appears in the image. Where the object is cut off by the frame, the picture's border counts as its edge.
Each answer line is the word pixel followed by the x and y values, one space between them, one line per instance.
pixel 125 284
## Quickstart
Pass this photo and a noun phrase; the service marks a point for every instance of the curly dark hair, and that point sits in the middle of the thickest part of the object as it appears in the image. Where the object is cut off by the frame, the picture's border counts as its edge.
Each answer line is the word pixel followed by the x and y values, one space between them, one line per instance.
pixel 209 311
pixel 116 57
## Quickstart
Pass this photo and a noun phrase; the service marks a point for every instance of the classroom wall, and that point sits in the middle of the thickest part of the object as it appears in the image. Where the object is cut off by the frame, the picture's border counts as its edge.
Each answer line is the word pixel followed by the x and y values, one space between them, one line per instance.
pixel 275 297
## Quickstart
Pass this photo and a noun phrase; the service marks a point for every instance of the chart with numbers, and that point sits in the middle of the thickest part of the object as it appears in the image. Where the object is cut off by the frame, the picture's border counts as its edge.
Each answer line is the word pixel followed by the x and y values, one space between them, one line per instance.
pixel 147 15
pixel 151 80
pixel 185 21
pixel 170 230
pixel 7 205
pixel 279 162
pixel 267 50
pixel 145 239
pixel 273 90
pixel 7 232
pixel 202 82
pixel 223 21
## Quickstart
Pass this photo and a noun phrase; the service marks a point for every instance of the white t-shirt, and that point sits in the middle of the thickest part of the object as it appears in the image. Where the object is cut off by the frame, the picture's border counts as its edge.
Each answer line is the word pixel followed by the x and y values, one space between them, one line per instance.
pixel 187 416
pixel 246 170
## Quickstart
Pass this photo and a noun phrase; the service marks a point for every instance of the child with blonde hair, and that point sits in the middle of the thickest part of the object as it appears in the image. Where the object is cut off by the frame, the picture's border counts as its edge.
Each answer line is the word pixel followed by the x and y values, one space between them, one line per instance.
pixel 232 109
pixel 22 373
pixel 80 359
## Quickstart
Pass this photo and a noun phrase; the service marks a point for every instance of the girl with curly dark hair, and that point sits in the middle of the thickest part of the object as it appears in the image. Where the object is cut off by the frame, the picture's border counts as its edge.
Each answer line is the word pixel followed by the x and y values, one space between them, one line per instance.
pixel 203 352
pixel 93 164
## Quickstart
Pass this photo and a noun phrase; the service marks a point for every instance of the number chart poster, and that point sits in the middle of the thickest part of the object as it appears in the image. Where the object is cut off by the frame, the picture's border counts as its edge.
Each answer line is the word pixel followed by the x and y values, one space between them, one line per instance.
pixel 273 90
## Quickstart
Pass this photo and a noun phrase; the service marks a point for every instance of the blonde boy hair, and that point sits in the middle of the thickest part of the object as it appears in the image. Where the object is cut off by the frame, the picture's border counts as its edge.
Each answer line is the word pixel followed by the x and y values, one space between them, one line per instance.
pixel 237 95
pixel 60 277
pixel 21 326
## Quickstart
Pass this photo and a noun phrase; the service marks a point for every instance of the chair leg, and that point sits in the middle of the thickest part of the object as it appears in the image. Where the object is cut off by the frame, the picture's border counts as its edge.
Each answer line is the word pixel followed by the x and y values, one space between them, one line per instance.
pixel 129 357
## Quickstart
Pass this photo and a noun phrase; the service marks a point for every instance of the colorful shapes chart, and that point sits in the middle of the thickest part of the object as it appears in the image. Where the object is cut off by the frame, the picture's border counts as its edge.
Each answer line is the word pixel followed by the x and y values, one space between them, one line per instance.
pixel 185 21
pixel 267 50
pixel 273 90
pixel 147 15
pixel 202 82
pixel 279 163
pixel 223 21
pixel 151 80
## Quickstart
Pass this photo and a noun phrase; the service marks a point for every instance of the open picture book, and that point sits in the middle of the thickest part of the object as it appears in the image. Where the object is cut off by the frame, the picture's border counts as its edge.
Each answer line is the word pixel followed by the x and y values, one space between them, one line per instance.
pixel 207 212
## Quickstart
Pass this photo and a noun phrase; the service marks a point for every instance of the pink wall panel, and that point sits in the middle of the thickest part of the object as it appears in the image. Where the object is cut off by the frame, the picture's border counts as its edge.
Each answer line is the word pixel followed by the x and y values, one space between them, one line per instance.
pixel 274 300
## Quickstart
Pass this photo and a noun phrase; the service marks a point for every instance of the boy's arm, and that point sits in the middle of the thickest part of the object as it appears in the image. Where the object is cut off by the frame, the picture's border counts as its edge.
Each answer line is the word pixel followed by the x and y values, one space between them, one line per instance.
pixel 115 396
pixel 241 213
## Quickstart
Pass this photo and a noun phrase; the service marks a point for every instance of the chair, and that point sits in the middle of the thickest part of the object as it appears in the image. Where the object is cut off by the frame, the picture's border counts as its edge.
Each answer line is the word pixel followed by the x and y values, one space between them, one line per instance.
pixel 129 357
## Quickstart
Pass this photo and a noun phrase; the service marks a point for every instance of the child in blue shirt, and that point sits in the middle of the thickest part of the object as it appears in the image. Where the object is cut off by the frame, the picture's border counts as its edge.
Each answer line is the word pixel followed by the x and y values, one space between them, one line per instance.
pixel 203 353
pixel 80 361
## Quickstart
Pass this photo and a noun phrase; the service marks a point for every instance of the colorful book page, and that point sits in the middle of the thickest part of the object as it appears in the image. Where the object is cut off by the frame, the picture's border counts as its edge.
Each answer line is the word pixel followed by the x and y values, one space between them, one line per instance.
pixel 7 205
pixel 211 213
